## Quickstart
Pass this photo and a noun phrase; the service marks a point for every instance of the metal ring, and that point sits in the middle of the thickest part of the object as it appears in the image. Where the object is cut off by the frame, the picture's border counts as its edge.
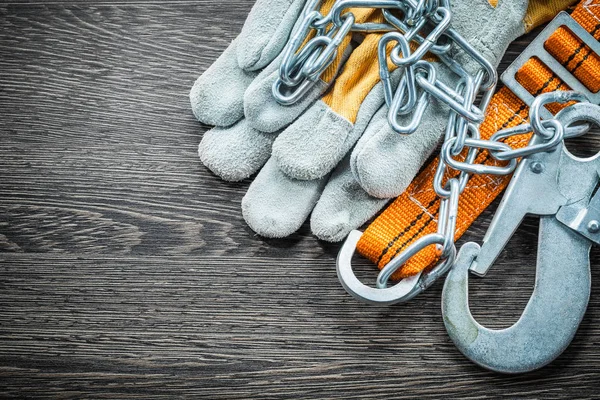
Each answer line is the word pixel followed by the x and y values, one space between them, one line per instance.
pixel 587 112
pixel 478 168
pixel 557 137
pixel 397 262
pixel 547 98
pixel 402 291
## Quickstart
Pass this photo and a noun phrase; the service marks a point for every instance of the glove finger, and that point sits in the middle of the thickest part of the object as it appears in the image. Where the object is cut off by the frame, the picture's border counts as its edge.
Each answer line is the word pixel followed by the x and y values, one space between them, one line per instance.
pixel 235 153
pixel 266 32
pixel 217 96
pixel 313 145
pixel 385 162
pixel 275 205
pixel 310 148
pixel 343 206
pixel 264 112
pixel 503 24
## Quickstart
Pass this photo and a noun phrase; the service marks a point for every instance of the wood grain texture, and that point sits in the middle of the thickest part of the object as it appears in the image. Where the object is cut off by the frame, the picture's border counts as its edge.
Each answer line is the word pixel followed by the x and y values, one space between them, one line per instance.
pixel 126 270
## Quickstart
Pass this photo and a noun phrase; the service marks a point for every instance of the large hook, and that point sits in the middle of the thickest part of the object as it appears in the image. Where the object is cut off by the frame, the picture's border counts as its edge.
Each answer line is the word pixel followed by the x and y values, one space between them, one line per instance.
pixel 560 188
pixel 551 318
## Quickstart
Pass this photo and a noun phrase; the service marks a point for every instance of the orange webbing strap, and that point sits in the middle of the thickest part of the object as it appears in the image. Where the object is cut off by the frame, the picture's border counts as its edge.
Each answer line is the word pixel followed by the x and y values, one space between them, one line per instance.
pixel 414 214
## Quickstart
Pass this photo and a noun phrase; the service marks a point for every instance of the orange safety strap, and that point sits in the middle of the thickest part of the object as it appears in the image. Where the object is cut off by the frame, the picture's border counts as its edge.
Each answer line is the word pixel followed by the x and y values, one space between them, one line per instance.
pixel 414 214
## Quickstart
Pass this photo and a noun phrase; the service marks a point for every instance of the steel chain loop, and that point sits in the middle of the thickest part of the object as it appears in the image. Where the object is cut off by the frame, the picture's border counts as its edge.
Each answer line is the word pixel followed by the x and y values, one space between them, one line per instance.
pixel 315 42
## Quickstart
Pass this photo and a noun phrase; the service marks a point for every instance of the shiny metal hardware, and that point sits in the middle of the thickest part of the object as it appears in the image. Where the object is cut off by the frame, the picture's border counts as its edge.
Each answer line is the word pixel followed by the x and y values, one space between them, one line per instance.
pixel 525 198
pixel 421 102
pixel 550 320
pixel 449 190
pixel 568 132
pixel 442 92
pixel 335 14
pixel 425 22
pixel 562 190
pixel 537 49
pixel 412 32
pixel 400 59
pixel 472 132
pixel 583 218
pixel 401 292
pixel 305 58
pixel 440 38
pixel 406 98
pixel 550 134
pixel 301 69
pixel 419 83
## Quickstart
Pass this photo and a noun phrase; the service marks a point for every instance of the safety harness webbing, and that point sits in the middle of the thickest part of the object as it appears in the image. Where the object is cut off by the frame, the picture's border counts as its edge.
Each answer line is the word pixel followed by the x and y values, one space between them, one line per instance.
pixel 414 214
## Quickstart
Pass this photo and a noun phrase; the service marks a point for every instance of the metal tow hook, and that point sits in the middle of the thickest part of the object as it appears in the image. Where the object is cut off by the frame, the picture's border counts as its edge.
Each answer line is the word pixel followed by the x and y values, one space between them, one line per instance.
pixel 563 190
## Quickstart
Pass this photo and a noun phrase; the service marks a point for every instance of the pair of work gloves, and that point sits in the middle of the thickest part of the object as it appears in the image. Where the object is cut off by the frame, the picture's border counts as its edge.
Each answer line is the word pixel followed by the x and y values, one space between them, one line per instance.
pixel 333 153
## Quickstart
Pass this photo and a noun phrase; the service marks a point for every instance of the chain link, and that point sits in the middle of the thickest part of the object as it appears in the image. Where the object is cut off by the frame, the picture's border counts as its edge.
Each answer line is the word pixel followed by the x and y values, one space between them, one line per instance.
pixel 438 25
pixel 304 60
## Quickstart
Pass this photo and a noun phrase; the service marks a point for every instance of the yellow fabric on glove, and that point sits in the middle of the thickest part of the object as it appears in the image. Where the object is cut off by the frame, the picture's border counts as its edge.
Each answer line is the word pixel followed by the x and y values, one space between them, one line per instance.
pixel 542 11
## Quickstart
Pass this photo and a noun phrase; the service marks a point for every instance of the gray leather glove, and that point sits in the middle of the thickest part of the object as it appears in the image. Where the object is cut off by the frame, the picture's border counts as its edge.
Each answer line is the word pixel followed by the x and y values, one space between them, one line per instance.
pixel 310 138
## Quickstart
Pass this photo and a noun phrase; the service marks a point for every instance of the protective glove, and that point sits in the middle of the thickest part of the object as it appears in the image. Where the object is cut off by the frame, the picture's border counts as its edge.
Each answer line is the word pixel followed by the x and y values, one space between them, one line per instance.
pixel 235 93
pixel 239 101
pixel 301 162
pixel 296 179
pixel 383 162
pixel 289 186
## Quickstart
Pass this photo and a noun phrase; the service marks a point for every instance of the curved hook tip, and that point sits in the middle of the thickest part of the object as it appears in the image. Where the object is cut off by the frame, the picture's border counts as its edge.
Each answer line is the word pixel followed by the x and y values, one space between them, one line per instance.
pixel 548 323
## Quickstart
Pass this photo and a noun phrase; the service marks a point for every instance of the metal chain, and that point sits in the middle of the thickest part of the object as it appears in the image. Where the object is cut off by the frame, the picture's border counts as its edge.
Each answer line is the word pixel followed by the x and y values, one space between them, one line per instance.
pixel 449 188
pixel 427 23
pixel 316 39
pixel 419 83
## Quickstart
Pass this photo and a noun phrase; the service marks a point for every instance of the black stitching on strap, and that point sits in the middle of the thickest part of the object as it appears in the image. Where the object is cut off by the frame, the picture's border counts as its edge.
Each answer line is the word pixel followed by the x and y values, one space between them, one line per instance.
pixel 405 231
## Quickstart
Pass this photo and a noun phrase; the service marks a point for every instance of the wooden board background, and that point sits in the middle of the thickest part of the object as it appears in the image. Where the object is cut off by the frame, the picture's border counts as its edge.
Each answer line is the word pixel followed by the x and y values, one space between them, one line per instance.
pixel 126 270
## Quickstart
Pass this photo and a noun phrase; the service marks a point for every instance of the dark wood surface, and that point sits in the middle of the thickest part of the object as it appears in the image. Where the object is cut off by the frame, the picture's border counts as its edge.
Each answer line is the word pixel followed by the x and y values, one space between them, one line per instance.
pixel 126 270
